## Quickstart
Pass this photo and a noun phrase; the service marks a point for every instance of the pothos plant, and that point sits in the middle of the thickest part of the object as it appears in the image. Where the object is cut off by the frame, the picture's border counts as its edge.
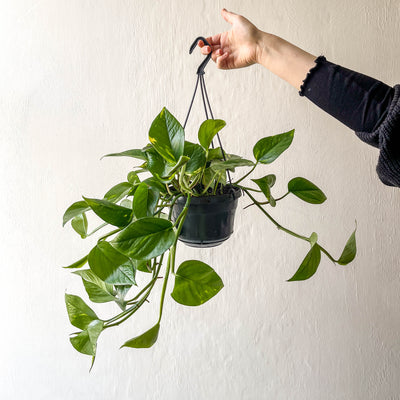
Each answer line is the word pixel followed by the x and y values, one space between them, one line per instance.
pixel 144 230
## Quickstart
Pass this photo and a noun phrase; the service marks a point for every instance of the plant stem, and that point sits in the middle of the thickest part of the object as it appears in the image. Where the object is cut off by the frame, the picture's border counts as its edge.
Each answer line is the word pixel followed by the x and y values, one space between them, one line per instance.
pixel 167 271
pixel 208 185
pixel 182 218
pixel 327 254
pixel 216 185
pixel 169 192
pixel 172 205
pixel 245 176
pixel 195 181
pixel 264 202
pixel 97 229
pixel 279 226
pixel 109 234
pixel 171 255
pixel 249 188
pixel 131 310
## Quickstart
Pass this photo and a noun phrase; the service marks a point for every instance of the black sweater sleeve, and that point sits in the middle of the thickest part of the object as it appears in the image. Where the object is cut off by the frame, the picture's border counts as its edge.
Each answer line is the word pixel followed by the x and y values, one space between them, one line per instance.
pixel 364 104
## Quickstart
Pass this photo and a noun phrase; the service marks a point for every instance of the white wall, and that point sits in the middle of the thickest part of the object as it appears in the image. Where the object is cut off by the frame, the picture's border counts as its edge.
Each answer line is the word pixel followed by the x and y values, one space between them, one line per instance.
pixel 82 78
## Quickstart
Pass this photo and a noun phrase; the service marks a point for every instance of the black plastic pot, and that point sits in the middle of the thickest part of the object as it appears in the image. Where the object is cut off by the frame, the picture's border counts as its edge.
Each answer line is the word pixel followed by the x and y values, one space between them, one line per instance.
pixel 209 220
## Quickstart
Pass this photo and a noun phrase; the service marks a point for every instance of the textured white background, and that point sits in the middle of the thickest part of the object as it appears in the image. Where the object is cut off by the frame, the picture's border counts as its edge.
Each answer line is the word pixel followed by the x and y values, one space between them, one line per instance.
pixel 79 79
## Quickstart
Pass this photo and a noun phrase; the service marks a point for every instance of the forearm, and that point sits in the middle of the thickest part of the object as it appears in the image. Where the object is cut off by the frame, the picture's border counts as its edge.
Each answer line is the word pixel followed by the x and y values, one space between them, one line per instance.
pixel 284 59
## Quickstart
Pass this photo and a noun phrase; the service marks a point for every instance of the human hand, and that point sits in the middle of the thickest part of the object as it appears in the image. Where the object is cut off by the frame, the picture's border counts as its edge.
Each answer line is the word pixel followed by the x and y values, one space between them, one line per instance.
pixel 236 48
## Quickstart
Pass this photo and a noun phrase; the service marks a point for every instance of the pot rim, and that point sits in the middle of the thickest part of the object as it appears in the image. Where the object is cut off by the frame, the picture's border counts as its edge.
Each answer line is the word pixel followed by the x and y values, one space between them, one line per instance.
pixel 234 193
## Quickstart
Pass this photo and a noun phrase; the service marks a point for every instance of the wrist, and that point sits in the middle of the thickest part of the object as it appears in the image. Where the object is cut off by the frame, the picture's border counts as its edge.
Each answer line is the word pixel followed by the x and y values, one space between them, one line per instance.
pixel 284 59
pixel 265 45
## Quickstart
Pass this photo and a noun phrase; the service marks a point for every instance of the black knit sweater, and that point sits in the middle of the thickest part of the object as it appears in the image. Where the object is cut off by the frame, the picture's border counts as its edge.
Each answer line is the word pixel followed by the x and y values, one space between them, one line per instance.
pixel 364 104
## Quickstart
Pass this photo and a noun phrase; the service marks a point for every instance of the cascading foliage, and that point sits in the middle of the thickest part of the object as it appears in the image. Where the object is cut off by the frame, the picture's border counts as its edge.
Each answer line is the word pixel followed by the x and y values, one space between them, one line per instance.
pixel 143 236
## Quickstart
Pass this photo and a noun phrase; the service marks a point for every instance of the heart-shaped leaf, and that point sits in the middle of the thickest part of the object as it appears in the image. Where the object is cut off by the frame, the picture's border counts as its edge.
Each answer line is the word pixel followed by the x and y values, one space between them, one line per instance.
pixel 349 251
pixel 110 265
pixel 145 201
pixel 306 191
pixel 215 154
pixel 208 129
pixel 309 265
pixel 110 212
pixel 80 314
pixel 265 183
pixel 268 149
pixel 155 184
pixel 145 340
pixel 167 136
pixel 133 178
pixel 86 341
pixel 197 158
pixel 195 283
pixel 98 290
pixel 161 169
pixel 117 192
pixel 145 238
pixel 80 225
pixel 74 210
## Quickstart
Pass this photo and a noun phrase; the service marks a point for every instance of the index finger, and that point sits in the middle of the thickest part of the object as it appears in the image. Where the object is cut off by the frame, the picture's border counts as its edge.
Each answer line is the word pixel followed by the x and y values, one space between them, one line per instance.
pixel 213 40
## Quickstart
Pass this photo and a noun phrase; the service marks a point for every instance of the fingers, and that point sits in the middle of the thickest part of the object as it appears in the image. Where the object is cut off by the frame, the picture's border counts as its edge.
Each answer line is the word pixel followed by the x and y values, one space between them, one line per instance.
pixel 221 60
pixel 207 49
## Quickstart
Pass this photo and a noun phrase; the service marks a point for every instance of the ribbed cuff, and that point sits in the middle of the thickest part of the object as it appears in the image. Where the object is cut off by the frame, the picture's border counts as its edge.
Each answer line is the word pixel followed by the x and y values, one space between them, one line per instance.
pixel 318 61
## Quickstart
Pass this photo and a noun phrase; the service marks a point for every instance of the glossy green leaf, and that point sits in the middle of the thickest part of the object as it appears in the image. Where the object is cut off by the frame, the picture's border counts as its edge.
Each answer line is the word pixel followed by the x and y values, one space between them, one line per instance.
pixel 163 170
pixel 80 314
pixel 110 212
pixel 197 158
pixel 135 153
pixel 126 203
pixel 80 225
pixel 313 238
pixel 175 168
pixel 215 154
pixel 220 165
pixel 133 178
pixel 167 136
pixel 110 265
pixel 145 340
pixel 349 251
pixel 117 192
pixel 122 290
pixel 74 210
pixel 157 164
pixel 195 283
pixel 78 264
pixel 155 184
pixel 86 341
pixel 265 183
pixel 145 201
pixel 145 238
pixel 268 149
pixel 143 265
pixel 208 176
pixel 309 265
pixel 306 191
pixel 97 290
pixel 208 129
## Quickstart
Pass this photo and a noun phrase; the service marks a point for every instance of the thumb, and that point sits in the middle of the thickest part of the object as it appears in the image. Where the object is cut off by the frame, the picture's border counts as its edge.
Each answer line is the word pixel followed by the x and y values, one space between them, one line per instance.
pixel 228 16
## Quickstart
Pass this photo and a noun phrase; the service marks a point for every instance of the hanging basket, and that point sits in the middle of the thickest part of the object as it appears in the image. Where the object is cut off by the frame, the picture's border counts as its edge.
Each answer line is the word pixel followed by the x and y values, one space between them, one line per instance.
pixel 210 219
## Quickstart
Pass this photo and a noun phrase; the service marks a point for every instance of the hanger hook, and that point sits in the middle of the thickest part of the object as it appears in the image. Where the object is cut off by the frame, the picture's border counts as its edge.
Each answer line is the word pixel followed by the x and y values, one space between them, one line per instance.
pixel 200 70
